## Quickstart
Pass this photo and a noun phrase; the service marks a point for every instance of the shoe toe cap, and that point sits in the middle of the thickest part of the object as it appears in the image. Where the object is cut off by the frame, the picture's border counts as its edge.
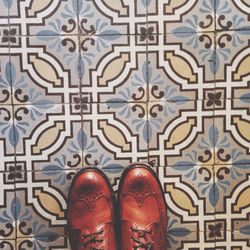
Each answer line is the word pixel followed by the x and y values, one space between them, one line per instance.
pixel 139 179
pixel 89 183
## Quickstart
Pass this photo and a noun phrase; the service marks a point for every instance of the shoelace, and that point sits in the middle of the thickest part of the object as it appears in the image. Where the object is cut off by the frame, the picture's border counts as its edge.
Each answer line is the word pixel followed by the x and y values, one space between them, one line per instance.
pixel 92 239
pixel 142 234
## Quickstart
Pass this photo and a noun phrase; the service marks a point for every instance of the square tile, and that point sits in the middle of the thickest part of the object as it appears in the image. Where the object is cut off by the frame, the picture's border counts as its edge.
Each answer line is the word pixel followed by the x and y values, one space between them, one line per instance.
pixel 191 57
pixel 44 19
pixel 46 217
pixel 180 133
pixel 134 84
pixel 67 155
pixel 26 87
pixel 110 68
pixel 189 193
pixel 232 185
pixel 115 134
pixel 185 16
pixel 231 133
pixel 164 82
pixel 45 70
pixel 39 211
pixel 232 15
pixel 41 129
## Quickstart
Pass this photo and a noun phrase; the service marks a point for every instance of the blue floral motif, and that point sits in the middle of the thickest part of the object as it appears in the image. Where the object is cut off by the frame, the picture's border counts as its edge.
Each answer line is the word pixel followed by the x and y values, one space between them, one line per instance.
pixel 175 234
pixel 146 3
pixel 57 170
pixel 125 106
pixel 7 3
pixel 36 108
pixel 7 219
pixel 190 32
pixel 56 27
pixel 108 166
pixel 245 230
pixel 245 98
pixel 193 167
pixel 39 232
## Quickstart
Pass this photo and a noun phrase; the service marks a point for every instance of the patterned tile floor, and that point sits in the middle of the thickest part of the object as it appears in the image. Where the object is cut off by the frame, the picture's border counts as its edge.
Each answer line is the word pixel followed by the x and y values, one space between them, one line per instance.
pixel 109 82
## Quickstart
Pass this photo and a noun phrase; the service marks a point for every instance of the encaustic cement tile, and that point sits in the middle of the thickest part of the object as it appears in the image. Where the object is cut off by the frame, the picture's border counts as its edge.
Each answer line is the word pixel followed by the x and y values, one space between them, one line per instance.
pixel 189 194
pixel 192 57
pixel 181 133
pixel 232 131
pixel 164 83
pixel 67 155
pixel 44 19
pixel 44 70
pixel 42 131
pixel 133 88
pixel 39 211
pixel 115 134
pixel 232 14
pixel 232 189
pixel 48 191
pixel 232 56
pixel 113 65
pixel 182 16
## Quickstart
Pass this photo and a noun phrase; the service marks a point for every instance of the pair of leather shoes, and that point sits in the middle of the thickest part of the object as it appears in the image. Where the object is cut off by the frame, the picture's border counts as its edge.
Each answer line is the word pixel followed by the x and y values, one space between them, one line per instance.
pixel 140 215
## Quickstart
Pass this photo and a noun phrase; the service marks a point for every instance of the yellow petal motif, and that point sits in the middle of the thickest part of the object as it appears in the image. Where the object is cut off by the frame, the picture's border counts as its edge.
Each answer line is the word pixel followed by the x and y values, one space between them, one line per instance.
pixel 181 199
pixel 242 69
pixel 49 203
pixel 117 5
pixel 180 133
pixel 181 67
pixel 38 6
pixel 243 200
pixel 173 5
pixel 48 137
pixel 45 70
pixel 114 135
pixel 113 69
pixel 243 127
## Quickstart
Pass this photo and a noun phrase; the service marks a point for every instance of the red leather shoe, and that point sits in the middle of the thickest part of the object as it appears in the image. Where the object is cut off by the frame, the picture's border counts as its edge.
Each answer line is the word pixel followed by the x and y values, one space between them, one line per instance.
pixel 91 213
pixel 143 216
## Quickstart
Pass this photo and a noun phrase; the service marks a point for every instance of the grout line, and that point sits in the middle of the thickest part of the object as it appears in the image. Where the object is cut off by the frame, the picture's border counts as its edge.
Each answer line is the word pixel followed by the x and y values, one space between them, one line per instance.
pixel 81 94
